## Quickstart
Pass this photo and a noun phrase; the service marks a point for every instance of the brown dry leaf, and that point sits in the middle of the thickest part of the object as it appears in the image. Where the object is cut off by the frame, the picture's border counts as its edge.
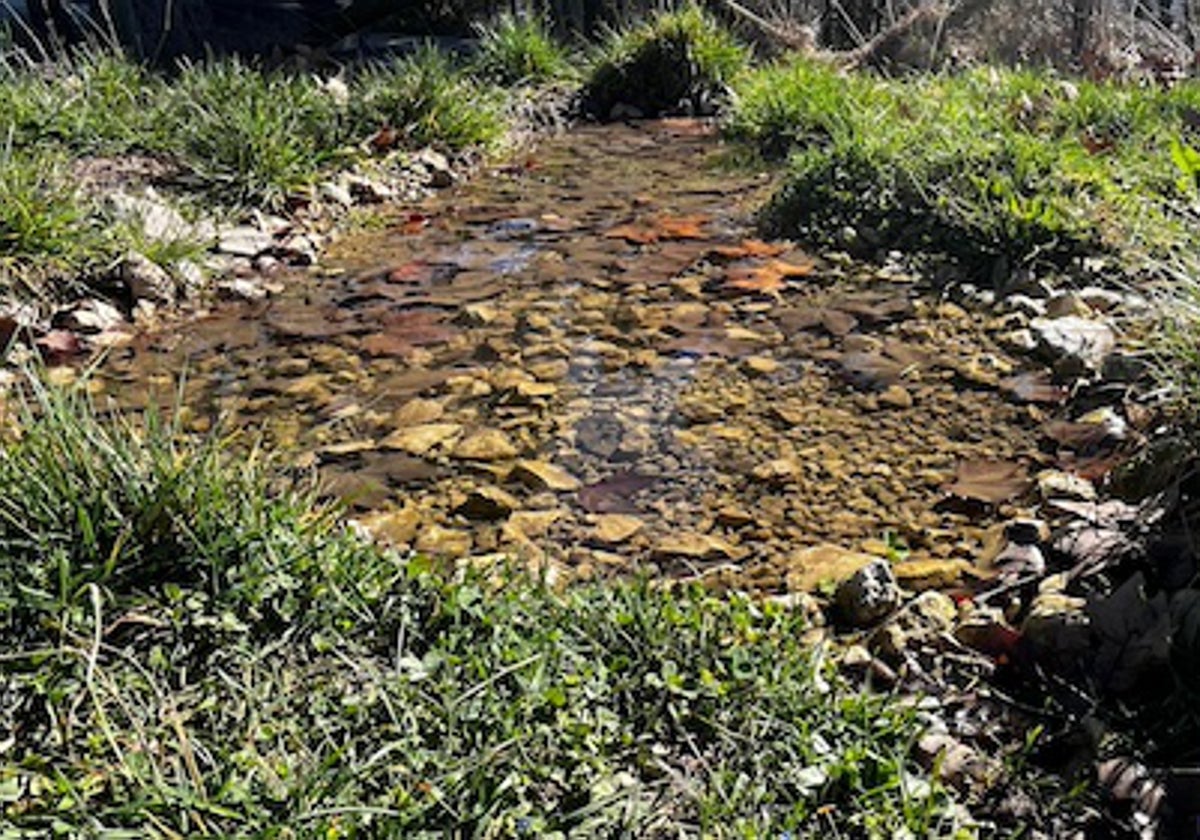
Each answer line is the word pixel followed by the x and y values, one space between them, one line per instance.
pixel 1035 387
pixel 59 345
pixel 769 278
pixel 686 126
pixel 748 248
pixel 612 494
pixel 754 280
pixel 406 330
pixel 990 481
pixel 659 228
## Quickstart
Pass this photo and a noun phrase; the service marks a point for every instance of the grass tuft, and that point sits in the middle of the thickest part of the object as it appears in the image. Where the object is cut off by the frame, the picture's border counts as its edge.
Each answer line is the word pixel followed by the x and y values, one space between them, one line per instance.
pixel 429 99
pixel 676 61
pixel 999 168
pixel 520 50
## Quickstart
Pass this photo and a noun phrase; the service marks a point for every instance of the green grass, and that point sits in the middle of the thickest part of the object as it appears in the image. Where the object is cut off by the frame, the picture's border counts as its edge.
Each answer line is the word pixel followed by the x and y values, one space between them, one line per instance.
pixel 190 645
pixel 996 167
pixel 238 135
pixel 520 50
pixel 673 61
pixel 430 100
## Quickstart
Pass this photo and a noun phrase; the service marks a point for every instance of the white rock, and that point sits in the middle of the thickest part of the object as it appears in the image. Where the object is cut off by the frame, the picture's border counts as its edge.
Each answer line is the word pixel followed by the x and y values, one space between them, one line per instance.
pixel 1080 344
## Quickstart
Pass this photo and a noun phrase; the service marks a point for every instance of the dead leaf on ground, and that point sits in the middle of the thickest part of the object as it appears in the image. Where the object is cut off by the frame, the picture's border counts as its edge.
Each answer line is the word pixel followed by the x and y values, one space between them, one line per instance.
pixel 613 494
pixel 990 481
pixel 405 331
pixel 659 228
pixel 748 248
pixel 59 345
pixel 413 223
pixel 768 278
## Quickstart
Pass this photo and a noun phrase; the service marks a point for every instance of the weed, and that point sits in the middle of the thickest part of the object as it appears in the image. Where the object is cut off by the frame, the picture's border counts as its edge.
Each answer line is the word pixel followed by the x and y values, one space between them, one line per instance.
pixel 429 100
pixel 251 136
pixel 518 50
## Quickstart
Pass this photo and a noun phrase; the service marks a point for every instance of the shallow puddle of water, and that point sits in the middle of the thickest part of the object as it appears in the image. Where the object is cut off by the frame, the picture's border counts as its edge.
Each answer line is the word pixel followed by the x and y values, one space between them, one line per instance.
pixel 583 358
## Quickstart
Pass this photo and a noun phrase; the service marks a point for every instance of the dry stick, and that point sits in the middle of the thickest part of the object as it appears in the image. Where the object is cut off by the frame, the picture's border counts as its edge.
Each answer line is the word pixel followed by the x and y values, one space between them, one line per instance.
pixel 859 56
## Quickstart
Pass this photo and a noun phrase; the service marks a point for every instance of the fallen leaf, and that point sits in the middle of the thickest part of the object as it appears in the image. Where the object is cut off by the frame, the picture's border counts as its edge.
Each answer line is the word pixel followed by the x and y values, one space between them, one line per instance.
pixel 416 271
pixel 413 223
pixel 384 139
pixel 613 494
pixel 748 248
pixel 758 279
pixel 59 345
pixel 989 481
pixel 659 228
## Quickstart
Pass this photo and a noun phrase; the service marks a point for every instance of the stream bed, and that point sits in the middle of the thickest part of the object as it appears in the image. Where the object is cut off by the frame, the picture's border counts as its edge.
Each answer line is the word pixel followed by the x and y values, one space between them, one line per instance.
pixel 586 359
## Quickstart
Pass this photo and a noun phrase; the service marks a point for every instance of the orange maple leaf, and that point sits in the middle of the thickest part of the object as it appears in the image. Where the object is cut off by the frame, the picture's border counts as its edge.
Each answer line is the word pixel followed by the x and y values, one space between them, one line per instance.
pixel 748 248
pixel 660 228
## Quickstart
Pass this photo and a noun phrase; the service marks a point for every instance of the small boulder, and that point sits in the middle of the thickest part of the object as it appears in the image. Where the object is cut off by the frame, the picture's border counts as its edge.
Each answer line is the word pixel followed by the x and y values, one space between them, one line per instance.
pixel 1075 345
pixel 868 595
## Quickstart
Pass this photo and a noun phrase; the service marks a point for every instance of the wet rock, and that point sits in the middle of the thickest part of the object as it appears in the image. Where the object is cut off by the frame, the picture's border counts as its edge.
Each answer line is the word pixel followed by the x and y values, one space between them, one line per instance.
pixel 487 503
pixel 823 565
pixel 614 528
pixel 532 524
pixel 417 412
pixel 90 316
pixel 920 623
pixel 146 280
pixel 777 472
pixel 486 445
pixel 437 541
pixel 599 434
pixel 543 475
pixel 868 595
pixel 422 439
pixel 1058 630
pixel 1075 345
pixel 1056 484
pixel 734 516
pixel 924 574
pixel 244 241
pixel 760 366
pixel 896 396
pixel 695 546
pixel 397 527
